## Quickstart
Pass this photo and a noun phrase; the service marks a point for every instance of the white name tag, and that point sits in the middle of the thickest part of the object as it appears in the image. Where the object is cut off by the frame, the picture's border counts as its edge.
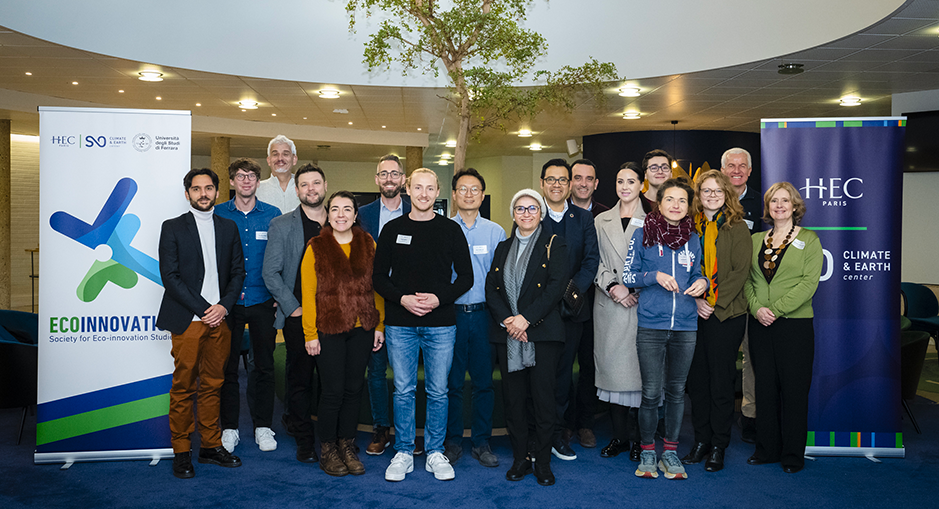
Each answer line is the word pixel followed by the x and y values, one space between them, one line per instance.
pixel 637 222
pixel 480 250
pixel 798 244
pixel 260 235
pixel 749 224
pixel 404 239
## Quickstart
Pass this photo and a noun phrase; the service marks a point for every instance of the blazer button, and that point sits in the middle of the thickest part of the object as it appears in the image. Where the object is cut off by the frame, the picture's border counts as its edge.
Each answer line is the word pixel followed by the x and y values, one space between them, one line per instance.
pixel 539 285
pixel 543 266
pixel 497 269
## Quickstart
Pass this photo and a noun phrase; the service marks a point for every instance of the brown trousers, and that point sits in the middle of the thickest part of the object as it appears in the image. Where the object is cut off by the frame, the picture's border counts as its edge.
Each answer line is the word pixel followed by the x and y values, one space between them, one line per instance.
pixel 199 356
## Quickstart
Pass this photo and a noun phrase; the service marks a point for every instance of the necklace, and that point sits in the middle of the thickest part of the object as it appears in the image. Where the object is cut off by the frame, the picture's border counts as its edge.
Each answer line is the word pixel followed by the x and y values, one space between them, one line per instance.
pixel 769 256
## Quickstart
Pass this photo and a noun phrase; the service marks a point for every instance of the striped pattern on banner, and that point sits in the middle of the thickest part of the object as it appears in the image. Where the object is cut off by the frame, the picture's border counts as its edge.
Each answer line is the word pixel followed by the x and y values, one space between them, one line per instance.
pixel 854 439
pixel 833 123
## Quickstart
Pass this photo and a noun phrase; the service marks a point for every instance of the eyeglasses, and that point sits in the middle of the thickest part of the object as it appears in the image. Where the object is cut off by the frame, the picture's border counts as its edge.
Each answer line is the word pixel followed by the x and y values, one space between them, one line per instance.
pixel 560 180
pixel 713 192
pixel 241 177
pixel 531 209
pixel 386 174
pixel 472 190
pixel 659 168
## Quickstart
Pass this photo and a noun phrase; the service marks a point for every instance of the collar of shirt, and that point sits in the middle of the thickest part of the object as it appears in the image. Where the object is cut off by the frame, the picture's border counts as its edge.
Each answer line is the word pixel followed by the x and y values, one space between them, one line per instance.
pixel 557 216
pixel 400 206
pixel 459 219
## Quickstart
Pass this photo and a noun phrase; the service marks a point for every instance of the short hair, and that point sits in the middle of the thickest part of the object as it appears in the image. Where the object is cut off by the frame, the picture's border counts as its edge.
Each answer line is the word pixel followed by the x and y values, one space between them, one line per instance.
pixel 733 151
pixel 733 210
pixel 391 157
pixel 655 153
pixel 556 162
pixel 280 138
pixel 798 204
pixel 244 164
pixel 469 172
pixel 306 168
pixel 347 195
pixel 423 170
pixel 586 162
pixel 195 172
pixel 674 182
pixel 630 165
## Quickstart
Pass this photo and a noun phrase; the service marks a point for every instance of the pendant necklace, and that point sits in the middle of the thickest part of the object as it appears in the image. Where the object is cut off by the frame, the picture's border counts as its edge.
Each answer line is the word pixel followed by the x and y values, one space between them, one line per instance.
pixel 769 256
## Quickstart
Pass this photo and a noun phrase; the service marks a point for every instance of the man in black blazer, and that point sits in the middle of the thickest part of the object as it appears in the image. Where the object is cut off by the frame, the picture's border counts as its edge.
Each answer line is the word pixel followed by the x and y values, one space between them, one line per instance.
pixel 202 267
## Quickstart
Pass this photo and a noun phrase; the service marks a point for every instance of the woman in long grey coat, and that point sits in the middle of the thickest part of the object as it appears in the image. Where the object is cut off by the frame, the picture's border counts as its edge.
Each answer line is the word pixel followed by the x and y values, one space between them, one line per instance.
pixel 614 313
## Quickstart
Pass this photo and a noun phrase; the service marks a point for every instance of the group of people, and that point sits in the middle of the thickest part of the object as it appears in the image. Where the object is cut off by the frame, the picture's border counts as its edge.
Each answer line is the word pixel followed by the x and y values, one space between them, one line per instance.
pixel 653 297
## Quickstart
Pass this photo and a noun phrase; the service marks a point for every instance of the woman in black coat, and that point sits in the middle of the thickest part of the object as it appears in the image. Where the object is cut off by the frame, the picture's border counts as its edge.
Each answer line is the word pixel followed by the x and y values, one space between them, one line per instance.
pixel 523 291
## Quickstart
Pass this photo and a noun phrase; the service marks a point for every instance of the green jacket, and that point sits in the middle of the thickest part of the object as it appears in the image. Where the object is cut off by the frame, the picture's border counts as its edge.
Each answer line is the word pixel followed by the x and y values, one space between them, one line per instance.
pixel 733 263
pixel 790 293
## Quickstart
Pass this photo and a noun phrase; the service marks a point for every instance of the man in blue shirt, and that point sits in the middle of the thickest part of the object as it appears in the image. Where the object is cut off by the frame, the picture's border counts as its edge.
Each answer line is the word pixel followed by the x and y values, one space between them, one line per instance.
pixel 472 350
pixel 255 307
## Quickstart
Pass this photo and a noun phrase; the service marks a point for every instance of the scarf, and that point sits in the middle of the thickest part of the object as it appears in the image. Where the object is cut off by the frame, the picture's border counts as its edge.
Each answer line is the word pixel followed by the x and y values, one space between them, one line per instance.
pixel 708 231
pixel 659 231
pixel 519 355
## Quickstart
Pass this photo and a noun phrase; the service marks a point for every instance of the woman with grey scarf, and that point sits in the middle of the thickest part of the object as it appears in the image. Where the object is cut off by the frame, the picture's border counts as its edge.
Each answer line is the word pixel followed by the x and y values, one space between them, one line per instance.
pixel 523 292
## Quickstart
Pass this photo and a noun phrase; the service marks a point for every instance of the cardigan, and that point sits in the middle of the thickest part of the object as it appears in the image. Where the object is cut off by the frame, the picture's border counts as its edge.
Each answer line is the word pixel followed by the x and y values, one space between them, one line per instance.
pixel 790 293
pixel 734 250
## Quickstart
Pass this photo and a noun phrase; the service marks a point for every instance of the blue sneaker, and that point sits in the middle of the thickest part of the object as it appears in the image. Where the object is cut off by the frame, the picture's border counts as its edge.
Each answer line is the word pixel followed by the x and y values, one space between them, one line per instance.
pixel 671 466
pixel 646 466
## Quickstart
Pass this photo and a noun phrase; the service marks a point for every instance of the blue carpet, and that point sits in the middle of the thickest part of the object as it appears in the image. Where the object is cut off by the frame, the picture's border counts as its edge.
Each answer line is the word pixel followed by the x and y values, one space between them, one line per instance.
pixel 276 479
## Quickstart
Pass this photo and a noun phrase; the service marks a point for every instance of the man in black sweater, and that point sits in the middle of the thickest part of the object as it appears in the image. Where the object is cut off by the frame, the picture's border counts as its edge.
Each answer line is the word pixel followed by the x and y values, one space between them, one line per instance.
pixel 415 259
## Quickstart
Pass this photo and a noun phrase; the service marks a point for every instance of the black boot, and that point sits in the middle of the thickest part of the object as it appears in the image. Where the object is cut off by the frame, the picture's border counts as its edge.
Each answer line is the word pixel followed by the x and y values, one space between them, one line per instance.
pixel 543 473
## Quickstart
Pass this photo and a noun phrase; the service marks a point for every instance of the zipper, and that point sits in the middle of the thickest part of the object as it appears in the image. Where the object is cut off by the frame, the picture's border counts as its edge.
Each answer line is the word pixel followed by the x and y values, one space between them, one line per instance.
pixel 673 293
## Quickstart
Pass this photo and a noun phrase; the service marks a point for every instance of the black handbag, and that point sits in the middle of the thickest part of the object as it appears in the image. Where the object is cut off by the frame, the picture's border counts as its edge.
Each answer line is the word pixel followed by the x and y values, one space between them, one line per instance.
pixel 573 300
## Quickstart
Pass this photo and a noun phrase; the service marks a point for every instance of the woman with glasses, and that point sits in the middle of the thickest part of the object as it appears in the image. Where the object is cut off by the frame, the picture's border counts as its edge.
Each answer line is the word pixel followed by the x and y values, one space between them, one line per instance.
pixel 523 292
pixel 657 165
pixel 664 262
pixel 722 311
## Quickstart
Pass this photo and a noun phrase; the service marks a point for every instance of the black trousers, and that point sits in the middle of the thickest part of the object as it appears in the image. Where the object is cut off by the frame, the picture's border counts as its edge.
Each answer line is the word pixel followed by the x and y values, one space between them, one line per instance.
pixel 565 372
pixel 301 369
pixel 537 383
pixel 260 390
pixel 582 409
pixel 782 364
pixel 342 361
pixel 711 378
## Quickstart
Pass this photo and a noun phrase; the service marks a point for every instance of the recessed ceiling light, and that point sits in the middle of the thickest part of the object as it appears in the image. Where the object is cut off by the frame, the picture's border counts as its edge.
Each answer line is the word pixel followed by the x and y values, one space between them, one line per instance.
pixel 244 110
pixel 329 93
pixel 29 74
pixel 850 101
pixel 273 114
pixel 198 104
pixel 120 91
pixel 350 123
pixel 445 156
pixel 158 98
pixel 248 104
pixel 535 147
pixel 74 83
pixel 524 133
pixel 382 127
pixel 150 76
pixel 450 143
pixel 791 68
pixel 629 91
pixel 631 115
pixel 418 128
pixel 341 111
pixel 442 162
pixel 304 118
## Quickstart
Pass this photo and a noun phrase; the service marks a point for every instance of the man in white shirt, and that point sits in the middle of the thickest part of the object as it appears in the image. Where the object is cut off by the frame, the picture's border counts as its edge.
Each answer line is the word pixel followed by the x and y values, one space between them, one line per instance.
pixel 279 189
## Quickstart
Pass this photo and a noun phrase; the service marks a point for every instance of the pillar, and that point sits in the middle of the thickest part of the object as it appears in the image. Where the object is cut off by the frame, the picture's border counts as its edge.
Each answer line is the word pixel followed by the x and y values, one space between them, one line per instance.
pixel 6 212
pixel 221 148
pixel 414 159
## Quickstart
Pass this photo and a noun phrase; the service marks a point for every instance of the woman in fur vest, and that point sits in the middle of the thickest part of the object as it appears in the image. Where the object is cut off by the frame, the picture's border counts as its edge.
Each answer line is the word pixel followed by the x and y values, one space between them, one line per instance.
pixel 342 323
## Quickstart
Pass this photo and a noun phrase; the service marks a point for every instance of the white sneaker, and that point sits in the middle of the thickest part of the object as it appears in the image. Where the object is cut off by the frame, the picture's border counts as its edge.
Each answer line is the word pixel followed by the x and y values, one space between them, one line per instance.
pixel 440 466
pixel 401 465
pixel 230 439
pixel 264 437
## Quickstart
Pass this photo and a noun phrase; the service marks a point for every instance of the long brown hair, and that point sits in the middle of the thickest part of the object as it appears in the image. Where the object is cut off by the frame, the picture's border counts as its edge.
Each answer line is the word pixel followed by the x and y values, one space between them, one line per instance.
pixel 733 210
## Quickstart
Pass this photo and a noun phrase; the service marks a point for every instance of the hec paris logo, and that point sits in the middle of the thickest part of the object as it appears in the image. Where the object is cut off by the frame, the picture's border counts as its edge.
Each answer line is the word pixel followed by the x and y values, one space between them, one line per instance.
pixel 142 142
pixel 112 231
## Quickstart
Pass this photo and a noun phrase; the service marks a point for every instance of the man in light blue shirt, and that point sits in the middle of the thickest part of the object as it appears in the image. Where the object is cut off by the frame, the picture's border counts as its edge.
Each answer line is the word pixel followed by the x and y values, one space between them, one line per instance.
pixel 472 350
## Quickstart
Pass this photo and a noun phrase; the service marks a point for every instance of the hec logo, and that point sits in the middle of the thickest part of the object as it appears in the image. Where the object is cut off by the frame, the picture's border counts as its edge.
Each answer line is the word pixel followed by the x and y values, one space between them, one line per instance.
pixel 82 141
pixel 110 237
pixel 65 141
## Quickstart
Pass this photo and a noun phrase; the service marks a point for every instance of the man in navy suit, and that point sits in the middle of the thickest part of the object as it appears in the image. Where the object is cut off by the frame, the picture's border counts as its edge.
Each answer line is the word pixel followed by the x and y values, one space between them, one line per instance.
pixel 576 226
pixel 202 267
pixel 392 204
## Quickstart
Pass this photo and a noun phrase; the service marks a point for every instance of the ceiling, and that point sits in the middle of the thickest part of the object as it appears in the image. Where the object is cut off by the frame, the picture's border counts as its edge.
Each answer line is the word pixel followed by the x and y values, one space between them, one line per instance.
pixel 898 54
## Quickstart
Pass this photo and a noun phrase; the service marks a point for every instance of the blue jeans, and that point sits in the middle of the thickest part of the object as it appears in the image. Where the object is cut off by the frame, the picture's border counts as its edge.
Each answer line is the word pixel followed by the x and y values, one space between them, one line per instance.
pixel 472 351
pixel 378 388
pixel 404 344
pixel 664 359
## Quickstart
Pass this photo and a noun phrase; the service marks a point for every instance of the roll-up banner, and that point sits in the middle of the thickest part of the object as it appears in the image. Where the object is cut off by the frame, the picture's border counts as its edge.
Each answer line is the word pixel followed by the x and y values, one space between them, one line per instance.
pixel 849 172
pixel 108 178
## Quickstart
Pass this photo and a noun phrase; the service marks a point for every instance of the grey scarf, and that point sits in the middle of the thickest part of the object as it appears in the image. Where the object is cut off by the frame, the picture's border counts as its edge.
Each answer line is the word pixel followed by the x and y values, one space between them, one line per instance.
pixel 519 355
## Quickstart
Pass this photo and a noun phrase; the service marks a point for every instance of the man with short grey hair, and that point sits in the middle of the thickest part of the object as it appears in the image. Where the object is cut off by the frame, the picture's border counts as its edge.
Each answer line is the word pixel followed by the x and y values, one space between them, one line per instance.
pixel 279 189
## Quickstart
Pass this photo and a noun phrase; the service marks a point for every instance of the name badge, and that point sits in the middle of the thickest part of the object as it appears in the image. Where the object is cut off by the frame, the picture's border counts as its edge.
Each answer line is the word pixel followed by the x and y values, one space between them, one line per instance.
pixel 686 259
pixel 637 222
pixel 260 235
pixel 404 239
pixel 798 244
pixel 749 224
pixel 481 250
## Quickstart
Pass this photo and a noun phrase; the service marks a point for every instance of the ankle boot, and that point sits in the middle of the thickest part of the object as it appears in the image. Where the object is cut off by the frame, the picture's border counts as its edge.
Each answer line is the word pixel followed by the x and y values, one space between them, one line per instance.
pixel 330 461
pixel 349 458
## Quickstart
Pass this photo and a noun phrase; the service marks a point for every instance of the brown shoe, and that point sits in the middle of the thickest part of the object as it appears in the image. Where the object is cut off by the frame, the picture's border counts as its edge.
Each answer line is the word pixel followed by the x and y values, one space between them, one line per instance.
pixel 380 440
pixel 330 461
pixel 347 453
pixel 587 438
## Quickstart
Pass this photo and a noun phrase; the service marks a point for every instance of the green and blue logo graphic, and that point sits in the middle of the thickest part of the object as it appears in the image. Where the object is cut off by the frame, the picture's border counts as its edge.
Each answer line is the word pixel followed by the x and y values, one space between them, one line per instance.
pixel 116 230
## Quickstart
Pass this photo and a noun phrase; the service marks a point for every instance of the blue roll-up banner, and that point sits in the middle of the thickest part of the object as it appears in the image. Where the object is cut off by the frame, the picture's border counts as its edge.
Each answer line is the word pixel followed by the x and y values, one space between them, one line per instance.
pixel 849 172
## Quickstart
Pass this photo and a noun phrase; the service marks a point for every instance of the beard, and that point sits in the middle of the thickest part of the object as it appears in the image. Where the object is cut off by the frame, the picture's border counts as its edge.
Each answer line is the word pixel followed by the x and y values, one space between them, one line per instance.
pixel 312 203
pixel 391 193
pixel 197 206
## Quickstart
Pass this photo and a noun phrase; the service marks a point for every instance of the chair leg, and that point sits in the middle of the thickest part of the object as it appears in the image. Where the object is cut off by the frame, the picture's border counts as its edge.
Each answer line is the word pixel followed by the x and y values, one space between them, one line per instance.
pixel 19 438
pixel 906 406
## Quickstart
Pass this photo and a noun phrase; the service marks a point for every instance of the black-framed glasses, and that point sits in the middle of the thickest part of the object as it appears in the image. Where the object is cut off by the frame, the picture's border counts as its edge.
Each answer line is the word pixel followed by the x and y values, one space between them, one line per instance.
pixel 241 177
pixel 473 191
pixel 531 209
pixel 385 174
pixel 556 180
pixel 659 168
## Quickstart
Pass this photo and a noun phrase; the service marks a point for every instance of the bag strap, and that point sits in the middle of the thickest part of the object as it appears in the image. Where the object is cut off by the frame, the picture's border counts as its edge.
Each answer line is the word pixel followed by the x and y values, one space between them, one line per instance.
pixel 549 246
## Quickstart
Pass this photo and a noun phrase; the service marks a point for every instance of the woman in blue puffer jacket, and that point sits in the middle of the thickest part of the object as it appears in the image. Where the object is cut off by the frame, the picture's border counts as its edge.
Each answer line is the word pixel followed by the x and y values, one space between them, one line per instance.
pixel 664 261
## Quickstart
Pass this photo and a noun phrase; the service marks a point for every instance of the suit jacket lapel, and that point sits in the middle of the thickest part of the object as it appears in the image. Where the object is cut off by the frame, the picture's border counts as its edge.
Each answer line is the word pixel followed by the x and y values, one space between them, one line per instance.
pixel 535 260
pixel 194 235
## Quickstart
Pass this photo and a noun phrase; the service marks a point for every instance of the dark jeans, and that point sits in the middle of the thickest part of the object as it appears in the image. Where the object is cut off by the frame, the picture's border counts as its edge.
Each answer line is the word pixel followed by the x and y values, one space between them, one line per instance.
pixel 782 364
pixel 342 362
pixel 472 352
pixel 300 372
pixel 565 372
pixel 260 390
pixel 378 388
pixel 536 383
pixel 664 359
pixel 711 378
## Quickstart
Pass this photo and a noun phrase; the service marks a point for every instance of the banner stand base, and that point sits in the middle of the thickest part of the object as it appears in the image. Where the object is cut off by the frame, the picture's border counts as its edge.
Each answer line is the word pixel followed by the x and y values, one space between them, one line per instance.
pixel 863 452
pixel 43 458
